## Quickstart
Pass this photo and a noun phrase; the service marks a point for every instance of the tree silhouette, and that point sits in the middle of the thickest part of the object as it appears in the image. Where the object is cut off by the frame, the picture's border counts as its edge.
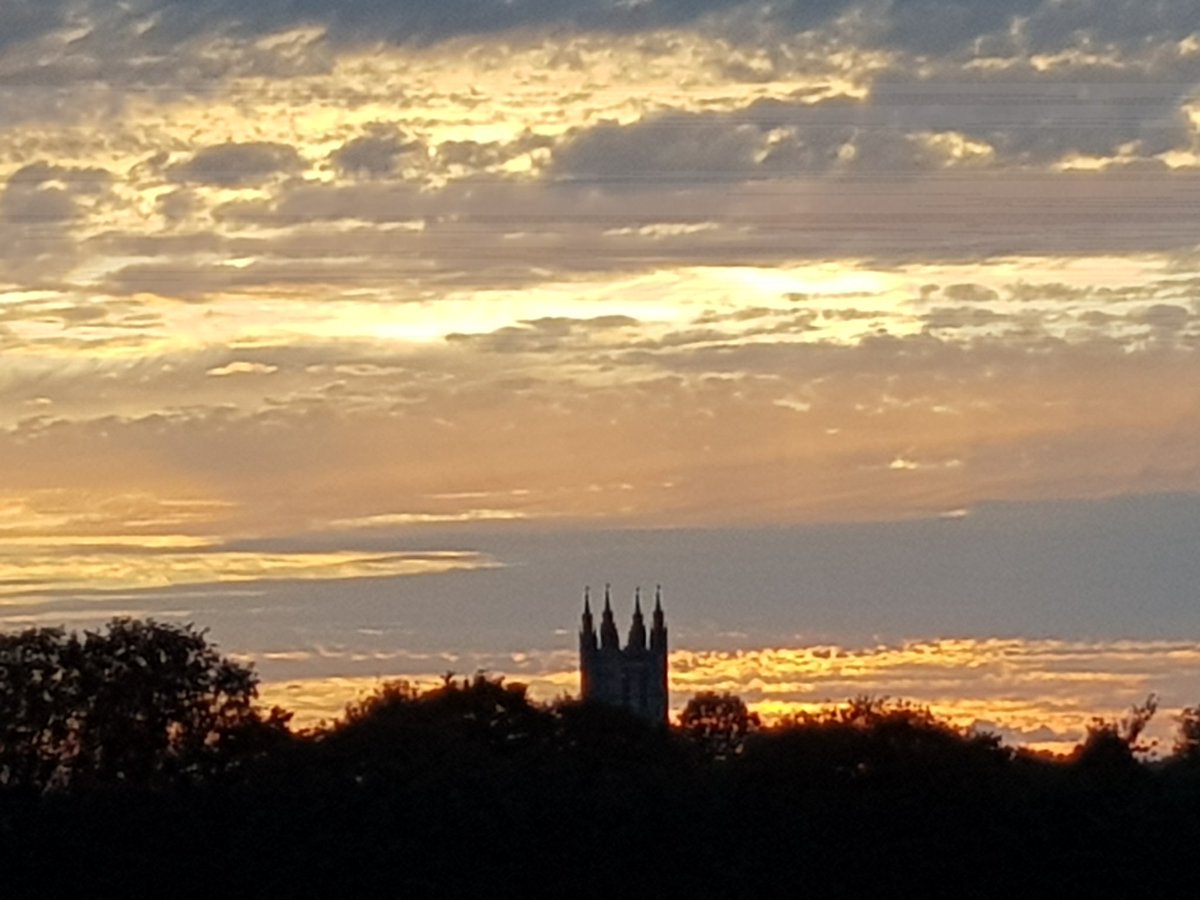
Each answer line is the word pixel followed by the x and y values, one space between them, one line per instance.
pixel 1187 735
pixel 138 703
pixel 718 723
pixel 1110 747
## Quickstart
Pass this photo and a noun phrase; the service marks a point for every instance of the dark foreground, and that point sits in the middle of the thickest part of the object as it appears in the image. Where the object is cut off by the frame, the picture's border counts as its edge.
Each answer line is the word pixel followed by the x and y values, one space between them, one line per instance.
pixel 473 790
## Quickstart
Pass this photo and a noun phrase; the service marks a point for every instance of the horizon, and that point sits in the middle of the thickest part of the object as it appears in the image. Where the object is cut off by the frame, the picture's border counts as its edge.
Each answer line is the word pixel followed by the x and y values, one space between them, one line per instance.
pixel 367 335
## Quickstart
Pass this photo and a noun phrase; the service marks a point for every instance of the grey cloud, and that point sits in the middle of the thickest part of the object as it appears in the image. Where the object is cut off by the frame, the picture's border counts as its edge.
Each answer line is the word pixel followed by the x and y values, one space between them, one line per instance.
pixel 45 193
pixel 1165 317
pixel 81 180
pixel 188 279
pixel 676 147
pixel 176 206
pixel 961 317
pixel 237 164
pixel 1113 22
pixel 936 26
pixel 40 209
pixel 1016 115
pixel 927 26
pixel 201 41
pixel 767 139
pixel 970 293
pixel 373 154
pixel 1029 116
pixel 40 204
pixel 432 20
pixel 26 20
pixel 478 156
pixel 487 231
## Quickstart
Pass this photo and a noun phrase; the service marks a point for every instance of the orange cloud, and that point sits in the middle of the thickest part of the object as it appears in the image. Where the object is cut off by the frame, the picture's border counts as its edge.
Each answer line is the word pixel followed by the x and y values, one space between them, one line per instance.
pixel 1041 693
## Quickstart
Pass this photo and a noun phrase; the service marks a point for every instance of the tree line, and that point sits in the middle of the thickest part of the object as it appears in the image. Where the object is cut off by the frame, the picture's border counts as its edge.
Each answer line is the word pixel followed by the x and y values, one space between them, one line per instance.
pixel 137 755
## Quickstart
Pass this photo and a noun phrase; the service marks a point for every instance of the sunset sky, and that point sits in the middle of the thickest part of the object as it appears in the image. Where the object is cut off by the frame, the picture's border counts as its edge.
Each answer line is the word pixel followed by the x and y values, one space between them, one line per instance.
pixel 367 333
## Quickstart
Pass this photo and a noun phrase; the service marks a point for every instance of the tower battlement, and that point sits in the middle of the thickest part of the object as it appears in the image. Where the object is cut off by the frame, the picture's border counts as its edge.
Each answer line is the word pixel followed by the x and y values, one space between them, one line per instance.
pixel 633 677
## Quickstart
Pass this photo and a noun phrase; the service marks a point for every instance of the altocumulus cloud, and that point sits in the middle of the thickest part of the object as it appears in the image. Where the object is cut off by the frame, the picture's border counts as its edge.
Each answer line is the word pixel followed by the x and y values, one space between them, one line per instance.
pixel 287 288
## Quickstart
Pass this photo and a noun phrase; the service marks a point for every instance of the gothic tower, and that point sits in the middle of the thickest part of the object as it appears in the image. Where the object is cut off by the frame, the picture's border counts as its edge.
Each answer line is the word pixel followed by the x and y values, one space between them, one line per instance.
pixel 633 677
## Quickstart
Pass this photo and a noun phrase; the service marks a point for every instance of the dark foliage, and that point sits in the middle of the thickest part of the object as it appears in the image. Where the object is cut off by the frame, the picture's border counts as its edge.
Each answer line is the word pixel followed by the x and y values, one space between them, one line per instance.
pixel 718 724
pixel 139 703
pixel 472 789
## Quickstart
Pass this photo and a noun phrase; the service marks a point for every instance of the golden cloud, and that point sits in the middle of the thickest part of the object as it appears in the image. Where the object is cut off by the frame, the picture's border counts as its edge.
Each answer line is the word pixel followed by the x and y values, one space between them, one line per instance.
pixel 24 572
pixel 1042 693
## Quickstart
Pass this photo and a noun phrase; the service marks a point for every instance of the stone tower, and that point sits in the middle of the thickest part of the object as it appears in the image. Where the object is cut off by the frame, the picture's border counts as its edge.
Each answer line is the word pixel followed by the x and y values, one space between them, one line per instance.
pixel 634 677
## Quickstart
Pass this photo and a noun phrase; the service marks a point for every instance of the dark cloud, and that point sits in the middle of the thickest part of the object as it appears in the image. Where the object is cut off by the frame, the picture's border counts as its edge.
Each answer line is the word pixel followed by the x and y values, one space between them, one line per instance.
pixel 432 20
pixel 961 317
pixel 1165 317
pixel 177 206
pixel 676 147
pixel 375 153
pixel 1026 116
pixel 1015 116
pixel 970 293
pixel 1115 23
pixel 927 26
pixel 188 279
pixel 491 231
pixel 237 164
pixel 478 156
pixel 26 20
pixel 199 41
pixel 937 26
pixel 43 192
pixel 38 204
pixel 40 208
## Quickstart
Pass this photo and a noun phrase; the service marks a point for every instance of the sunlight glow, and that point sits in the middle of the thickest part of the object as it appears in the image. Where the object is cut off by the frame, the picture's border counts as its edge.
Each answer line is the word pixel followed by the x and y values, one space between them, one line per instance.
pixel 1036 693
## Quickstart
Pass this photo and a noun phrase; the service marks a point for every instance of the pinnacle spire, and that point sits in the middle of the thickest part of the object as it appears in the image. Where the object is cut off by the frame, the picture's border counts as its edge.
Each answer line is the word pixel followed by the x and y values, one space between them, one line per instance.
pixel 658 633
pixel 637 630
pixel 587 628
pixel 608 627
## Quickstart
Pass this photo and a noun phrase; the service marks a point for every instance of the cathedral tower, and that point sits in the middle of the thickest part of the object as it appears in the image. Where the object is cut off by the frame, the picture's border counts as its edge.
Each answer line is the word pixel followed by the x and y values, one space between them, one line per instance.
pixel 633 677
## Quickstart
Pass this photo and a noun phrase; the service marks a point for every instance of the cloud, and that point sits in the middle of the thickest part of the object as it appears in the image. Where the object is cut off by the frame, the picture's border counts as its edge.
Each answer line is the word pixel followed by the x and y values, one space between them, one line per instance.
pixel 688 147
pixel 490 230
pixel 162 42
pixel 961 317
pixel 385 520
pixel 242 367
pixel 374 154
pixel 1165 317
pixel 43 192
pixel 1031 692
pixel 41 208
pixel 547 335
pixel 25 572
pixel 26 20
pixel 905 124
pixel 927 26
pixel 426 20
pixel 237 164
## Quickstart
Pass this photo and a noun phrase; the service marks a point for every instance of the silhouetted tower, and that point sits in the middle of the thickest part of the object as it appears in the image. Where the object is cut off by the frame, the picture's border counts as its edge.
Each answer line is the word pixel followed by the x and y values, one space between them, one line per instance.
pixel 635 677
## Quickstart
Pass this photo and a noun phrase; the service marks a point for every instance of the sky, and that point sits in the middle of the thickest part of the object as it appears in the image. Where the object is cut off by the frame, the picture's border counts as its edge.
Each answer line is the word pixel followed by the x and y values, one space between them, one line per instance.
pixel 367 334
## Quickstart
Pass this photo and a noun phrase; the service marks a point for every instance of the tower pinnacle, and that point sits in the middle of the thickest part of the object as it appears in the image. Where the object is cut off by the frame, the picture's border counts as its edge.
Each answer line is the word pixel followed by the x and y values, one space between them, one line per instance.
pixel 587 629
pixel 608 627
pixel 633 677
pixel 637 630
pixel 658 631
